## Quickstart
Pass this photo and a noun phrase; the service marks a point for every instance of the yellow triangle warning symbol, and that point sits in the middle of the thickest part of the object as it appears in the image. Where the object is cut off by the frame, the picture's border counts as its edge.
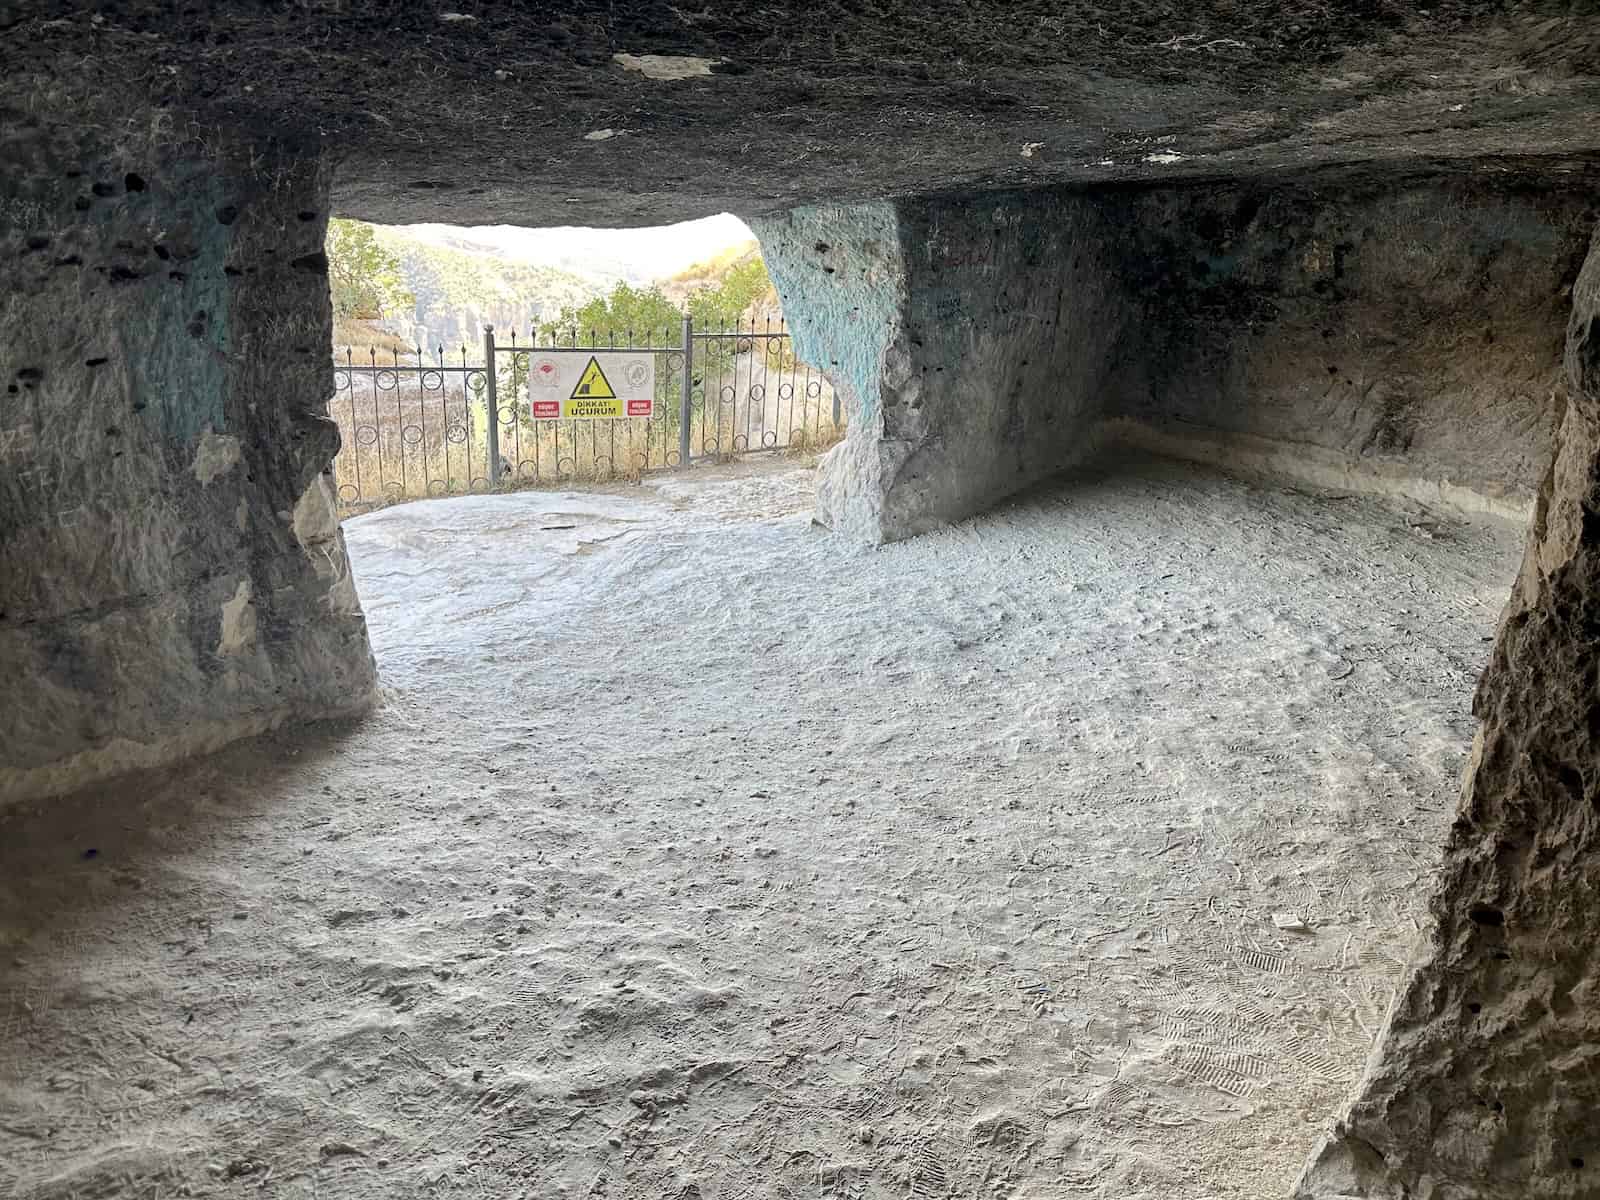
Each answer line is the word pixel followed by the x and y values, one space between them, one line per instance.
pixel 593 384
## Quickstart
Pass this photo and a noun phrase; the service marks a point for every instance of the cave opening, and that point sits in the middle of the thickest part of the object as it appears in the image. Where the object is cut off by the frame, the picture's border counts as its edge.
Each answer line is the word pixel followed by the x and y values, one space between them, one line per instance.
pixel 913 862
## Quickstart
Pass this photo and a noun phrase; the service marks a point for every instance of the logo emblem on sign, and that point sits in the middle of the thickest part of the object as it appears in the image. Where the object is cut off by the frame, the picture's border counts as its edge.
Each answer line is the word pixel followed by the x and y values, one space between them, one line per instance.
pixel 544 373
pixel 637 373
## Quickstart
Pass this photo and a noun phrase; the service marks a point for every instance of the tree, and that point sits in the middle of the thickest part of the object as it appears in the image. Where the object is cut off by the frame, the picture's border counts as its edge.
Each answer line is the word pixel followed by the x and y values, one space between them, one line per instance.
pixel 641 312
pixel 363 275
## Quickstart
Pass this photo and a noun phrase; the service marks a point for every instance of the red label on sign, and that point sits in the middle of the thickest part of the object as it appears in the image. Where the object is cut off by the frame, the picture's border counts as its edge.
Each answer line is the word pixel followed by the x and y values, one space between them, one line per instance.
pixel 639 408
pixel 546 408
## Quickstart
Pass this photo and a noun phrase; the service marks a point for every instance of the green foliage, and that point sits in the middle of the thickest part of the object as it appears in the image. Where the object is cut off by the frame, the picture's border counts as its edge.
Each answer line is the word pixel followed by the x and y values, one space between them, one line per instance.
pixel 363 275
pixel 744 285
pixel 638 312
pixel 642 311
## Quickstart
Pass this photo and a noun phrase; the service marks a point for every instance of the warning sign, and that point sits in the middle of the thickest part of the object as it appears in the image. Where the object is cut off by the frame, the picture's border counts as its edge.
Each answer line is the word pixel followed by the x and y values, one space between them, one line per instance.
pixel 593 385
pixel 602 384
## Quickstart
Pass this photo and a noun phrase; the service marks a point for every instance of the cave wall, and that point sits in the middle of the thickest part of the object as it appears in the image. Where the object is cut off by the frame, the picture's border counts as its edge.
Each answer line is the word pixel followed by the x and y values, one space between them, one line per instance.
pixel 972 338
pixel 1401 339
pixel 1483 1081
pixel 174 574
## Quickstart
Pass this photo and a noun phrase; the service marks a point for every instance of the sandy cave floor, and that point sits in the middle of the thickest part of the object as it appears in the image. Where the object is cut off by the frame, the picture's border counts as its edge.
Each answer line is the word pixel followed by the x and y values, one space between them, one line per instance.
pixel 696 854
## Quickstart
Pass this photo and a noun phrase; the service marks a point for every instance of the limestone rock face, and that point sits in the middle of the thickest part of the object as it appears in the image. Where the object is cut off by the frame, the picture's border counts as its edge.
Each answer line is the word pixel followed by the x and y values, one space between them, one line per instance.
pixel 972 338
pixel 1483 1082
pixel 174 576
pixel 1403 338
pixel 627 112
pixel 1410 331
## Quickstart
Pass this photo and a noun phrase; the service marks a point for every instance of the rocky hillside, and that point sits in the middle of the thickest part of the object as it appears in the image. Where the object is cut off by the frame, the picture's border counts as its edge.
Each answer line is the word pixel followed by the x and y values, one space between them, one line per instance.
pixel 458 292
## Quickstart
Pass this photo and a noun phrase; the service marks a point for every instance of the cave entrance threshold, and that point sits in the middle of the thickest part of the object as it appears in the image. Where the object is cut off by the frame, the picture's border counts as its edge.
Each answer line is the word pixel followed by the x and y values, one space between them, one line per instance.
pixel 1077 845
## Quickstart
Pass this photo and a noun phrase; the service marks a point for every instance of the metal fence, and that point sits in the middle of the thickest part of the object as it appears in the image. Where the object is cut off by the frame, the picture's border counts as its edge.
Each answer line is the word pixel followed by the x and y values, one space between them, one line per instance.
pixel 419 424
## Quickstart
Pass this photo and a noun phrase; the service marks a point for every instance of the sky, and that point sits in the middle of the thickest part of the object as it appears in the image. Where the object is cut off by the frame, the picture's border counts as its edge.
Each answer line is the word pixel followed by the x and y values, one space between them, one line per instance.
pixel 636 254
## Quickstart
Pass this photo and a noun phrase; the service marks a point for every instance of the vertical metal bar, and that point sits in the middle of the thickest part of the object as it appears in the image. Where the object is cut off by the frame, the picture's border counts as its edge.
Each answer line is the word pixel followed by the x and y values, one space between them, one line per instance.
pixel 422 420
pixel 355 420
pixel 494 405
pixel 377 422
pixel 686 403
pixel 535 432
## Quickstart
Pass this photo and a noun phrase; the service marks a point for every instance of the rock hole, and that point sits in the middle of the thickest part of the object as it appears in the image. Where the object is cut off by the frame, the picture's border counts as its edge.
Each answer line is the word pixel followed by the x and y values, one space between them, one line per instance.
pixel 176 276
pixel 823 247
pixel 162 252
pixel 316 262
pixel 1485 914
pixel 82 203
pixel 199 323
pixel 1577 1164
pixel 133 182
pixel 71 260
pixel 1502 956
pixel 122 274
pixel 307 214
pixel 91 852
pixel 30 375
pixel 95 362
pixel 103 189
pixel 38 242
pixel 227 214
pixel 827 270
pixel 1474 1008
pixel 1569 776
pixel 232 271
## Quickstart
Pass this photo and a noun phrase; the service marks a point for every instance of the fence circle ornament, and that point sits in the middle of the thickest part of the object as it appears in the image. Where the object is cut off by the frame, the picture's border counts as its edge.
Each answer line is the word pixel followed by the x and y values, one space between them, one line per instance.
pixel 394 489
pixel 527 468
pixel 786 391
pixel 729 394
pixel 758 392
pixel 385 380
pixel 341 381
pixel 438 487
pixel 741 441
pixel 519 362
pixel 813 389
pixel 349 493
pixel 508 415
pixel 456 434
pixel 742 345
pixel 769 439
pixel 411 435
pixel 431 380
pixel 366 435
pixel 477 382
